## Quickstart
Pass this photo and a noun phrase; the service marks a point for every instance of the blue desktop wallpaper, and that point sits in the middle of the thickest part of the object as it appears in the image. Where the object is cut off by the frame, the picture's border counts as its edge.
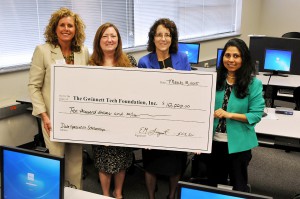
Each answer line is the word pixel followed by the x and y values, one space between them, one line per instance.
pixel 191 50
pixel 187 193
pixel 29 177
pixel 278 60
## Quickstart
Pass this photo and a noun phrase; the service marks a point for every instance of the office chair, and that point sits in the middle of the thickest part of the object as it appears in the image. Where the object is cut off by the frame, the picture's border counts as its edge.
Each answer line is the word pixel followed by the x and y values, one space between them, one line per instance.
pixel 291 35
pixel 296 96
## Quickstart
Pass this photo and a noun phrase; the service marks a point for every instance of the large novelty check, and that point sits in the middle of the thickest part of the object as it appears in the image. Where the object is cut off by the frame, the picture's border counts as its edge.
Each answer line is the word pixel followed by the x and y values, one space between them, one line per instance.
pixel 158 109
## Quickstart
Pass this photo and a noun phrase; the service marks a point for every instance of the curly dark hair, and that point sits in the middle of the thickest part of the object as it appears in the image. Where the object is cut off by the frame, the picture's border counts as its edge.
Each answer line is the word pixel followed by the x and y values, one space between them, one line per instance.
pixel 50 32
pixel 243 74
pixel 171 26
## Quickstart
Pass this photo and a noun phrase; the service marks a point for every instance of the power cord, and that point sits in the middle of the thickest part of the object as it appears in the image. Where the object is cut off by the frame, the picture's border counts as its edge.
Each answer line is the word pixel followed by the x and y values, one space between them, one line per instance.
pixel 68 184
pixel 268 93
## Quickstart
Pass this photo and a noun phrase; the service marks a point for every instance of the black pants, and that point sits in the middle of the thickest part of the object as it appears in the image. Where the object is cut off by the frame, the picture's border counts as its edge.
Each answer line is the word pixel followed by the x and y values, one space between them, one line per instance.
pixel 221 165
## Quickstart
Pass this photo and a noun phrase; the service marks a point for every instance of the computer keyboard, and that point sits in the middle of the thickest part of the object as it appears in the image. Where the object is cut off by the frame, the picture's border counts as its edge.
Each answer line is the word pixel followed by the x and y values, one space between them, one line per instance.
pixel 286 91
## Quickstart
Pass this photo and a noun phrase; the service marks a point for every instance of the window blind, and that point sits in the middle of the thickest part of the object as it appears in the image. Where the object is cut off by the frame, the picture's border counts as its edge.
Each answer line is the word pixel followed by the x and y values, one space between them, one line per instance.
pixel 23 22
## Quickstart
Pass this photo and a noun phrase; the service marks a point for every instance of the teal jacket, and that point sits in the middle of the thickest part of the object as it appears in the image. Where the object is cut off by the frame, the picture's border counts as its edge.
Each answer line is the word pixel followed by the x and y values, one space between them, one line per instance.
pixel 241 135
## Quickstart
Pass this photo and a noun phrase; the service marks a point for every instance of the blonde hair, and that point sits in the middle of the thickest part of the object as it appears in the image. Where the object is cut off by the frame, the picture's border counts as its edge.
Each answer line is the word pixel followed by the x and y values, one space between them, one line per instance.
pixel 97 58
pixel 50 32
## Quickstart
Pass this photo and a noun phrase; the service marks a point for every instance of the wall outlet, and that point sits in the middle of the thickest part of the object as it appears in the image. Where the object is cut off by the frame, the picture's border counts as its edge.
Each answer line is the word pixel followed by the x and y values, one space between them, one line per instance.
pixel 206 65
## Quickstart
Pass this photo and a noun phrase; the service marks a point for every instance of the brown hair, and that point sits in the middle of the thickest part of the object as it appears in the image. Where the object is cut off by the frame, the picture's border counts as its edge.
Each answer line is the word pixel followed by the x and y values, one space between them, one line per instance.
pixel 50 32
pixel 97 58
pixel 171 26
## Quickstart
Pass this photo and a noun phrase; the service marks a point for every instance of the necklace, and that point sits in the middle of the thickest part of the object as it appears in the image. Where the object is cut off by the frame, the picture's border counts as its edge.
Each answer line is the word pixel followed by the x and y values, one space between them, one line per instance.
pixel 163 62
pixel 231 77
pixel 69 59
pixel 229 83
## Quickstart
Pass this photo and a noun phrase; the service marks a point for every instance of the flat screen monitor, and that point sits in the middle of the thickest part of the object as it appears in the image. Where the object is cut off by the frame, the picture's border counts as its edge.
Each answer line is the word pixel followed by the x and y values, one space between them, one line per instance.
pixel 190 191
pixel 192 51
pixel 219 57
pixel 30 174
pixel 277 61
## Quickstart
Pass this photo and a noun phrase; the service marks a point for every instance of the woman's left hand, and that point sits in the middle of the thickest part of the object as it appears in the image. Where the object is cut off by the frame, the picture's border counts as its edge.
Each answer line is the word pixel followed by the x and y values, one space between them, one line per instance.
pixel 168 68
pixel 220 113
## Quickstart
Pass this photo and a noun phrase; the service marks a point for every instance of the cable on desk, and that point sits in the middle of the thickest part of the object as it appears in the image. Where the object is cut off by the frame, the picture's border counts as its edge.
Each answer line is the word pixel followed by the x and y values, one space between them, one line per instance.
pixel 268 93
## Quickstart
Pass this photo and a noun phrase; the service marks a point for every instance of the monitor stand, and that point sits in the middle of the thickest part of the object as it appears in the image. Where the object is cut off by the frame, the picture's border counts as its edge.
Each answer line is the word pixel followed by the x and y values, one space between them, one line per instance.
pixel 193 67
pixel 275 73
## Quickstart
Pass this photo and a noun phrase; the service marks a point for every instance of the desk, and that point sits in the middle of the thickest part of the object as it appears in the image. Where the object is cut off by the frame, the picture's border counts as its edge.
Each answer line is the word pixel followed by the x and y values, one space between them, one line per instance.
pixel 13 110
pixel 290 81
pixel 283 133
pixel 278 82
pixel 13 118
pixel 209 69
pixel 71 193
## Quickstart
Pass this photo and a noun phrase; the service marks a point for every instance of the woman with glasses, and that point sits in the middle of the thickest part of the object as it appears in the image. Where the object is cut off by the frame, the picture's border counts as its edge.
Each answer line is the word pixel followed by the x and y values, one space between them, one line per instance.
pixel 111 160
pixel 163 48
pixel 239 106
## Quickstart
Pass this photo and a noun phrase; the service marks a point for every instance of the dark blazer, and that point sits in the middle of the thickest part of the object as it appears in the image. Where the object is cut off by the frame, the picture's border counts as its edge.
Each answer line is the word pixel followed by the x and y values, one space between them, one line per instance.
pixel 179 61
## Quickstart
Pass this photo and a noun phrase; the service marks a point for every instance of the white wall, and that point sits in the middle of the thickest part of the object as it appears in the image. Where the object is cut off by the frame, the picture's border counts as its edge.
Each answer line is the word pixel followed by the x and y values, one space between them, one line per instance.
pixel 279 17
pixel 13 86
pixel 268 17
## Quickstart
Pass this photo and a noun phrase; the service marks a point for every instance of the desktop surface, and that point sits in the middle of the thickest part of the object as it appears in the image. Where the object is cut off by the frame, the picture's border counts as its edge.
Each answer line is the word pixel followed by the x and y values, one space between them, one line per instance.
pixel 290 81
pixel 279 124
pixel 71 193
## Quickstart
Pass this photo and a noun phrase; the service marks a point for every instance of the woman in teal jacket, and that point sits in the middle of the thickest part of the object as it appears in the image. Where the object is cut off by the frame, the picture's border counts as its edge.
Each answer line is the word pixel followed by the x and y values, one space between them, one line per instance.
pixel 239 106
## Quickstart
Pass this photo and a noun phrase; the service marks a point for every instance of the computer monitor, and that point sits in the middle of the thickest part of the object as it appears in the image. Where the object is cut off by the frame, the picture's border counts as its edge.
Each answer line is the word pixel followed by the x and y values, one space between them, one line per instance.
pixel 190 190
pixel 30 174
pixel 219 57
pixel 277 61
pixel 192 51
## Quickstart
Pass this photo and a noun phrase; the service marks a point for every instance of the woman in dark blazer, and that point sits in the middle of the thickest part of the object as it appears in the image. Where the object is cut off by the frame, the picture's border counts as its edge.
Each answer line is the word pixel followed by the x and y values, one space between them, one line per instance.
pixel 163 48
pixel 179 61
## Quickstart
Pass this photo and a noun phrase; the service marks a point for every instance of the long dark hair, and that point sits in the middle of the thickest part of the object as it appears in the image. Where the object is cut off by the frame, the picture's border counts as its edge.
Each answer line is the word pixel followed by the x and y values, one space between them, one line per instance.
pixel 171 26
pixel 243 74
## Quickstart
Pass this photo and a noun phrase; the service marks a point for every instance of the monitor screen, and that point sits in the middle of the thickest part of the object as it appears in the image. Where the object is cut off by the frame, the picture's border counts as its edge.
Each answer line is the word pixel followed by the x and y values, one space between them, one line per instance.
pixel 219 57
pixel 31 174
pixel 190 190
pixel 277 60
pixel 192 51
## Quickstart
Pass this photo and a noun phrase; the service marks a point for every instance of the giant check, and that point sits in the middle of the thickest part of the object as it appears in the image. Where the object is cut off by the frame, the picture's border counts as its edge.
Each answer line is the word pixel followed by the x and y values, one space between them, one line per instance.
pixel 158 109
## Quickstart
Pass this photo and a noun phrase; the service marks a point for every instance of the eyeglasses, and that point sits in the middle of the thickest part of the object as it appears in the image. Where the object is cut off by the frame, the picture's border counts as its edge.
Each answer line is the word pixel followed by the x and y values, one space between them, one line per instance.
pixel 161 36
pixel 235 56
